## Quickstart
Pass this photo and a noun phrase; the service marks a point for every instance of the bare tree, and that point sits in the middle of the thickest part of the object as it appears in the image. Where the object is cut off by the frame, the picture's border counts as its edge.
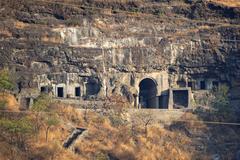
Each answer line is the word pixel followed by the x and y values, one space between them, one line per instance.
pixel 143 118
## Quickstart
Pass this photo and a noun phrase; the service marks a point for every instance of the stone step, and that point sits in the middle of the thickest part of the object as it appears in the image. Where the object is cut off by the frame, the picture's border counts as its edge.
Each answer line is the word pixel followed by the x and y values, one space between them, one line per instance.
pixel 73 137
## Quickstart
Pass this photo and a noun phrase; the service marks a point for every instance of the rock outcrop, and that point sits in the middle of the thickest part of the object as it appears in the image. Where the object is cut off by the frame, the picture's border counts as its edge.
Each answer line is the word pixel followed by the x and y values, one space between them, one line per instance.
pixel 110 47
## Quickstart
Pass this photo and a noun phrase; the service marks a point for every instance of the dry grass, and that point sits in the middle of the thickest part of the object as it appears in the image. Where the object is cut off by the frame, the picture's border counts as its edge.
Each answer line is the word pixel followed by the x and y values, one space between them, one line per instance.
pixel 103 138
pixel 12 103
pixel 231 3
pixel 20 25
pixel 8 151
pixel 5 33
pixel 123 141
pixel 51 39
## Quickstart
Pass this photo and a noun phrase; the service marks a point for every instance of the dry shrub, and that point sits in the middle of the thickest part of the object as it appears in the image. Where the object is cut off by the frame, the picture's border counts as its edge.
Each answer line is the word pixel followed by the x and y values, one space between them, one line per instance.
pixel 103 137
pixel 163 144
pixel 8 151
pixel 5 32
pixel 48 151
pixel 20 25
pixel 51 39
pixel 192 121
pixel 68 113
pixel 231 3
pixel 12 104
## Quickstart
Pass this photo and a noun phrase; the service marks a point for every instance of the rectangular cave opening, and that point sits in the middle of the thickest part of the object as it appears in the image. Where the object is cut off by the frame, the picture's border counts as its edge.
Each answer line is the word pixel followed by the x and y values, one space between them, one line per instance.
pixel 60 92
pixel 163 101
pixel 77 92
pixel 180 99
pixel 202 85
pixel 44 90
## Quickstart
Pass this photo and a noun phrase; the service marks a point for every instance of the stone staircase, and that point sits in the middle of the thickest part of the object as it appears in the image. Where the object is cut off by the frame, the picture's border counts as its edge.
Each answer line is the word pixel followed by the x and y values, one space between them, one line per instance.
pixel 73 137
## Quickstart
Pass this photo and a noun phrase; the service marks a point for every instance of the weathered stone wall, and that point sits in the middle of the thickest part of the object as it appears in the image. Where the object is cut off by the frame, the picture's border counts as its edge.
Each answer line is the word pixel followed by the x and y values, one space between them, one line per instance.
pixel 105 52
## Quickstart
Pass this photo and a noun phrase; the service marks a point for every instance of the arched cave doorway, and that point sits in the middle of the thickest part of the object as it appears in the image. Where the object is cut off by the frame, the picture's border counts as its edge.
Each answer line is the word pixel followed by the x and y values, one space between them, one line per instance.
pixel 92 88
pixel 147 93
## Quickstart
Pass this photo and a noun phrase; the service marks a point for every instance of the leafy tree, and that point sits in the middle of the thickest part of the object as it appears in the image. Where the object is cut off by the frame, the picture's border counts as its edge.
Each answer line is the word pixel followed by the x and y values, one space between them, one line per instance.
pixel 40 106
pixel 6 83
pixel 16 131
pixel 219 106
pixel 221 103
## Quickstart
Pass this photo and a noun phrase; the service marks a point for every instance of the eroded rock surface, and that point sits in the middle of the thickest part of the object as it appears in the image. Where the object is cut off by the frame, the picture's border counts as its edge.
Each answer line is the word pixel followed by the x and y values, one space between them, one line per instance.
pixel 107 48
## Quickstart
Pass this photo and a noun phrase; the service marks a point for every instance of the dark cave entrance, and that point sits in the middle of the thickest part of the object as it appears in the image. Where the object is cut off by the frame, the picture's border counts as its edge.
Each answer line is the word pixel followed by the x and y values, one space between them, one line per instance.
pixel 60 92
pixel 147 93
pixel 77 92
pixel 202 85
pixel 92 88
pixel 180 99
pixel 44 89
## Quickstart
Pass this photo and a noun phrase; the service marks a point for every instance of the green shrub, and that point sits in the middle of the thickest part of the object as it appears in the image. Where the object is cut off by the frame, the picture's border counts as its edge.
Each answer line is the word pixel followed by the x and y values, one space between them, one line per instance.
pixel 6 83
pixel 17 126
pixel 221 98
pixel 101 156
pixel 3 104
pixel 16 131
pixel 42 103
pixel 219 103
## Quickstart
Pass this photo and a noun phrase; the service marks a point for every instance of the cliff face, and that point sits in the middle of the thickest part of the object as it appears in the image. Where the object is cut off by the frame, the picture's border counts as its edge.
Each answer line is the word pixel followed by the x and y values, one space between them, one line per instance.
pixel 111 46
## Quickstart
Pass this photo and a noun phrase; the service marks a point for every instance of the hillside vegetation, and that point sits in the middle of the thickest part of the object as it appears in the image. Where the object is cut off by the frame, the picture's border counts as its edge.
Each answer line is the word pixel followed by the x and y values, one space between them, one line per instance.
pixel 110 134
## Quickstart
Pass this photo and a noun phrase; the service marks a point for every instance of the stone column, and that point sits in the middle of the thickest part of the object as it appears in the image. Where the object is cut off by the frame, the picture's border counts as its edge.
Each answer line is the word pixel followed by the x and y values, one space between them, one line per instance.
pixel 31 103
pixel 84 89
pixel 189 97
pixel 67 86
pixel 139 103
pixel 170 100
pixel 54 90
pixel 136 101
pixel 157 102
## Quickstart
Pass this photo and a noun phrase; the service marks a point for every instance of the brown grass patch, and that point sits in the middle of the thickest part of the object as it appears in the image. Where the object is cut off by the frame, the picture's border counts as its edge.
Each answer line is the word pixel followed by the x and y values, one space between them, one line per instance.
pixel 231 3
pixel 50 39
pixel 12 104
pixel 20 25
pixel 5 33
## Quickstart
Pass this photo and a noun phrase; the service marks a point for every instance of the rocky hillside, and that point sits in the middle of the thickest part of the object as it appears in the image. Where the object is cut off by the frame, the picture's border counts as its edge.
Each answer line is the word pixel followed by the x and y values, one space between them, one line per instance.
pixel 112 45
pixel 92 38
